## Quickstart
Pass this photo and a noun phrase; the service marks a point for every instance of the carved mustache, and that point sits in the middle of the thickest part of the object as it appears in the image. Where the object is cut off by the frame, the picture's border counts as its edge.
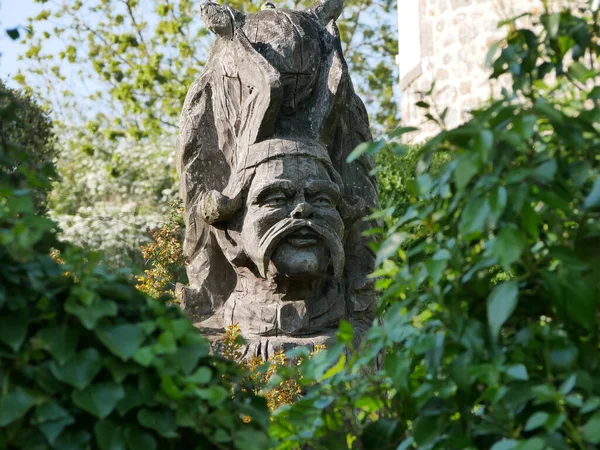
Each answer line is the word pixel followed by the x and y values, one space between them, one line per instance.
pixel 281 229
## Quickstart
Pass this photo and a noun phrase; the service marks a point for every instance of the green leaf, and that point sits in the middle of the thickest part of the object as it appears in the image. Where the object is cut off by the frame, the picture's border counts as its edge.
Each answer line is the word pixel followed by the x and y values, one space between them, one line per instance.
pixel 581 302
pixel 390 246
pixel 474 216
pixel 368 148
pixel 163 421
pixel 406 444
pixel 551 23
pixel 591 404
pixel 336 368
pixel 544 393
pixel 144 356
pixel 122 340
pixel 591 429
pixel 47 412
pixel 247 439
pixel 505 444
pixel 119 369
pixel 535 443
pixel 345 333
pixel 501 303
pixel 425 431
pixel 580 72
pixel 139 440
pixel 215 394
pixel 435 269
pixel 568 385
pixel 466 168
pixel 79 370
pixel 530 221
pixel 134 397
pixel 537 420
pixel 13 33
pixel 400 131
pixel 483 143
pixel 60 340
pixel 398 149
pixel 593 199
pixel 201 376
pixel 166 344
pixel 14 328
pixel 99 399
pixel 14 405
pixel 518 372
pixel 574 400
pixel 524 125
pixel 90 315
pixel 74 440
pixel 109 436
pixel 508 247
pixel 53 430
pixel 498 199
pixel 397 367
pixel 555 421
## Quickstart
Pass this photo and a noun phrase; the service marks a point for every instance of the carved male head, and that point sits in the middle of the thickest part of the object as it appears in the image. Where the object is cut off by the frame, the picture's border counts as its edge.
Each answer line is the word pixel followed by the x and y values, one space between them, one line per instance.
pixel 291 225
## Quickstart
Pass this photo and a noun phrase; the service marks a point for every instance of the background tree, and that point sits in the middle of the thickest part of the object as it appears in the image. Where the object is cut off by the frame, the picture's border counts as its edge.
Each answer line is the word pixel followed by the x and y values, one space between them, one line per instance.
pixel 31 133
pixel 111 193
pixel 127 64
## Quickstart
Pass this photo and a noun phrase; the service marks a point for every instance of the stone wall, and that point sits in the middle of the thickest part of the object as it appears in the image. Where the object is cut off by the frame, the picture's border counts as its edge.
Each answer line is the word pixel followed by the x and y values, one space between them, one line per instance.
pixel 455 38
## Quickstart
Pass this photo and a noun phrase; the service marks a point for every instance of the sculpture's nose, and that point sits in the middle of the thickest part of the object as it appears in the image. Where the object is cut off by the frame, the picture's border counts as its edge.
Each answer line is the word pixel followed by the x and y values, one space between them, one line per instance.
pixel 302 211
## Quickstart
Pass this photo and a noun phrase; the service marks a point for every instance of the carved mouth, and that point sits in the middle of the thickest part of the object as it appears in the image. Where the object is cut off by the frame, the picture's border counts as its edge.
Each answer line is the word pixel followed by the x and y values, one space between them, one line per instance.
pixel 304 237
pixel 309 234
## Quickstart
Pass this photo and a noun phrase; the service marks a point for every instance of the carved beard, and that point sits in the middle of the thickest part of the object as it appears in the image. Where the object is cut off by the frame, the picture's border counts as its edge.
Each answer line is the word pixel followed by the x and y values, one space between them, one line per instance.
pixel 272 238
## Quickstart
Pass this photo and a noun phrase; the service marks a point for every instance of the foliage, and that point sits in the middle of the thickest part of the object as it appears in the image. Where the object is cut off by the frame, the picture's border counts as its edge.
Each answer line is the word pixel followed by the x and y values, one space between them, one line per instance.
pixel 396 166
pixel 89 361
pixel 260 375
pixel 31 131
pixel 111 193
pixel 144 54
pixel 490 324
pixel 165 257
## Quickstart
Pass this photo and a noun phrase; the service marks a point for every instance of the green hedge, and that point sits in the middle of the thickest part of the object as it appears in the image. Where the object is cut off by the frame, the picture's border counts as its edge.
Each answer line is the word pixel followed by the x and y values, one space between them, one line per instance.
pixel 89 362
pixel 490 278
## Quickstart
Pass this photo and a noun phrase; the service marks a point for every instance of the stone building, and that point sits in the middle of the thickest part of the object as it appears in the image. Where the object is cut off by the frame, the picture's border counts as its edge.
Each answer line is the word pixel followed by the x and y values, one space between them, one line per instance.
pixel 447 41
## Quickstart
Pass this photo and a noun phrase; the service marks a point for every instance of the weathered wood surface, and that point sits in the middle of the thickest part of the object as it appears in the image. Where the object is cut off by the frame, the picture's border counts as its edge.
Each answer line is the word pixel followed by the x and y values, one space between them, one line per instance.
pixel 272 210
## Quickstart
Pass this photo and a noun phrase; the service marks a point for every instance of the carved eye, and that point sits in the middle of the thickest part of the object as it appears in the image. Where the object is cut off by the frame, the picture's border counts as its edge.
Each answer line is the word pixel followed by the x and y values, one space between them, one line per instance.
pixel 322 201
pixel 274 199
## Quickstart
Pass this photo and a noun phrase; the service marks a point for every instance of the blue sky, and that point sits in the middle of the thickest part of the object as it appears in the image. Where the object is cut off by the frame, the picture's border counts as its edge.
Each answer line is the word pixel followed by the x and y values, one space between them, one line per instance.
pixel 12 14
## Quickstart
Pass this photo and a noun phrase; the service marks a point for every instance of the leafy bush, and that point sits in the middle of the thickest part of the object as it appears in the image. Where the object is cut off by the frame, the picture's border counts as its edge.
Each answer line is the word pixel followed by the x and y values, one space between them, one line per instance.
pixel 396 166
pixel 111 193
pixel 31 132
pixel 260 377
pixel 490 325
pixel 89 362
pixel 164 257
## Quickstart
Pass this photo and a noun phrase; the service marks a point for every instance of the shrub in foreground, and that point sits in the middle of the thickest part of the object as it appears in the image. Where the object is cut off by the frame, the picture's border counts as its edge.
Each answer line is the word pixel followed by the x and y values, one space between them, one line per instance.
pixel 490 329
pixel 89 362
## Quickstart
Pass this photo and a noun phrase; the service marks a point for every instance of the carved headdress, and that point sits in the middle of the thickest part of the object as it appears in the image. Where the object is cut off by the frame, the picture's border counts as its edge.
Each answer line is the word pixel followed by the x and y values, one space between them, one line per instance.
pixel 272 76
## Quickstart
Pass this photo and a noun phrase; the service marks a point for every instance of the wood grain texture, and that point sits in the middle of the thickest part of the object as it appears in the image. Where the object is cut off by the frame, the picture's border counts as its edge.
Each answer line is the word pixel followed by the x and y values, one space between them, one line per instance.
pixel 272 210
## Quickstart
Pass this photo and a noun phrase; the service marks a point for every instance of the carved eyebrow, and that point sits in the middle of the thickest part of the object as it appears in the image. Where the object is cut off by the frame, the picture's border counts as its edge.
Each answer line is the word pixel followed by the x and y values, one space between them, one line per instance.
pixel 260 191
pixel 314 187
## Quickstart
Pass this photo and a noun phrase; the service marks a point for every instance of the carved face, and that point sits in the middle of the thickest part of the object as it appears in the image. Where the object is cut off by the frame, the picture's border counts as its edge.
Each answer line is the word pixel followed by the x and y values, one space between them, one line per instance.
pixel 291 226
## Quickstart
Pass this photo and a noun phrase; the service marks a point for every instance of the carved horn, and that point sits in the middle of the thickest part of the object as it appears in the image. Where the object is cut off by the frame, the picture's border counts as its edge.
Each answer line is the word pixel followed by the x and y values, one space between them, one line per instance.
pixel 327 10
pixel 221 20
pixel 215 207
